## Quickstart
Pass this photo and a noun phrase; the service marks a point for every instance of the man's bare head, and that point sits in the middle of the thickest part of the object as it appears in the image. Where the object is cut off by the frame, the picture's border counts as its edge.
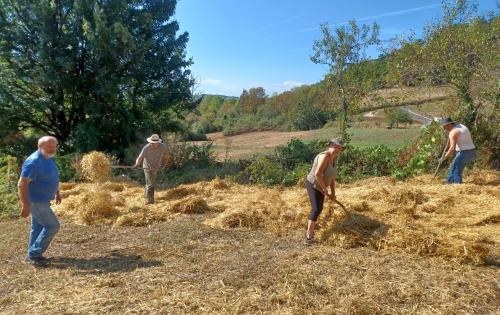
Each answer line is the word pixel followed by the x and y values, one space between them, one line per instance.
pixel 48 145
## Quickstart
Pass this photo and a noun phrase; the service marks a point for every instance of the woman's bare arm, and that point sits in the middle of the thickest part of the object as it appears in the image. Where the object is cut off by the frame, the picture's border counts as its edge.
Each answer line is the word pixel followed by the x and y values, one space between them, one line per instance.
pixel 319 174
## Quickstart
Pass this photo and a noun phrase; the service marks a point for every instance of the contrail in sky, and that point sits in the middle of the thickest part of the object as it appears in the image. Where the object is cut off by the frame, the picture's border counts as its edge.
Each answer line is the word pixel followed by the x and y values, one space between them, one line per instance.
pixel 400 12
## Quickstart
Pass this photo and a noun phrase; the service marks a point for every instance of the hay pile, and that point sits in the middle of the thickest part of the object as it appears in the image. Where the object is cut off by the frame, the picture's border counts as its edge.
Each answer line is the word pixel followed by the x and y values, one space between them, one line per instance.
pixel 96 167
pixel 422 216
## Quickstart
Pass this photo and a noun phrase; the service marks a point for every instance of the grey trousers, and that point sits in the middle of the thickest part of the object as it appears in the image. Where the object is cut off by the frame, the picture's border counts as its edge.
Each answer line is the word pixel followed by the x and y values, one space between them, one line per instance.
pixel 150 185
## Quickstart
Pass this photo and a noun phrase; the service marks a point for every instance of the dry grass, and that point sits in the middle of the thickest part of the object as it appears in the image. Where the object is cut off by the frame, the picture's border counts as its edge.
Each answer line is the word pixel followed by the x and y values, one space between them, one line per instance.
pixel 96 167
pixel 422 217
pixel 186 267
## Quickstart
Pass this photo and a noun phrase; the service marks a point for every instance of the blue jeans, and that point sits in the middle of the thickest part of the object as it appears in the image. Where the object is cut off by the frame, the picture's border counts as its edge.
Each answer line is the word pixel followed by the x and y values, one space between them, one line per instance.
pixel 44 226
pixel 461 159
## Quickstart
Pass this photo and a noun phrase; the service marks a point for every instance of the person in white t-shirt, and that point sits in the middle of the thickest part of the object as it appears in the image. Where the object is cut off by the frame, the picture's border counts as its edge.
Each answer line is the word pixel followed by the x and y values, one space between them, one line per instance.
pixel 460 142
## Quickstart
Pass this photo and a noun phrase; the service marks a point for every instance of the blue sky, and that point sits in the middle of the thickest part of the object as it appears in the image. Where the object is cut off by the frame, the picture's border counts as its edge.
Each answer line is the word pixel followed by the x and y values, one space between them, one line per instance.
pixel 238 44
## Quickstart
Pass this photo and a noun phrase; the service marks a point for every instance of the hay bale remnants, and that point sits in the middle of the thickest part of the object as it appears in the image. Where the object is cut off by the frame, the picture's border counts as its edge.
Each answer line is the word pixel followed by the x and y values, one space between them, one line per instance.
pixel 191 205
pixel 96 167
pixel 218 183
pixel 418 217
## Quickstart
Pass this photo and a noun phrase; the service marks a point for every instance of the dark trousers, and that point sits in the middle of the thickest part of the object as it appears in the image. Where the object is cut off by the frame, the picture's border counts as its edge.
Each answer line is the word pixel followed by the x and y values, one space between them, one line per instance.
pixel 317 200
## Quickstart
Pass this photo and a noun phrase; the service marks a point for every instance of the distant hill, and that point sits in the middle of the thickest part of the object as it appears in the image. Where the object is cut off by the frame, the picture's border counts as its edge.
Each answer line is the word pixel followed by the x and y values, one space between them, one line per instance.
pixel 225 97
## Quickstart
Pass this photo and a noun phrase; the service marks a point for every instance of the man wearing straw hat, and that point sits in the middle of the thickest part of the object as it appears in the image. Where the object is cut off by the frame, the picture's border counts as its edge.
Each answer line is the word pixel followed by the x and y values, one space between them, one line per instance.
pixel 38 186
pixel 153 158
pixel 461 142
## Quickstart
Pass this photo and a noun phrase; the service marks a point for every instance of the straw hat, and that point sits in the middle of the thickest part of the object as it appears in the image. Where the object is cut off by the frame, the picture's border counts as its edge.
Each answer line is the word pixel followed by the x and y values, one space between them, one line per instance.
pixel 154 139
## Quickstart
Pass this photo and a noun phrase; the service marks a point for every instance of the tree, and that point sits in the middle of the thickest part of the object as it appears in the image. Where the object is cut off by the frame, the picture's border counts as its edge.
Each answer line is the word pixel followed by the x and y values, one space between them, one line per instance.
pixel 397 116
pixel 251 100
pixel 460 51
pixel 340 49
pixel 92 73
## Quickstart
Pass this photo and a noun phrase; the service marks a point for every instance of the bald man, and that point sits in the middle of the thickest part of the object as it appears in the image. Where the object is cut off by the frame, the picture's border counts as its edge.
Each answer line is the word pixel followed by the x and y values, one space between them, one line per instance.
pixel 38 186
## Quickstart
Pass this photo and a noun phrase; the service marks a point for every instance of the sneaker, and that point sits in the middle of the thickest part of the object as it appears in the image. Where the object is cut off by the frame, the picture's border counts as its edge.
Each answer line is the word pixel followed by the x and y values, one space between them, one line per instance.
pixel 37 261
pixel 311 240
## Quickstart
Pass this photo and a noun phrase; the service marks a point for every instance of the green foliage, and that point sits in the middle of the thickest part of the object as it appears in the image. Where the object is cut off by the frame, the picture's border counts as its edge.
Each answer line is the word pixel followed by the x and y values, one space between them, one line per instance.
pixel 194 173
pixel 202 154
pixel 293 153
pixel 251 100
pixel 92 73
pixel 292 162
pixel 66 166
pixel 19 146
pixel 298 173
pixel 9 206
pixel 397 116
pixel 460 50
pixel 308 118
pixel 266 172
pixel 357 163
pixel 338 49
pixel 423 153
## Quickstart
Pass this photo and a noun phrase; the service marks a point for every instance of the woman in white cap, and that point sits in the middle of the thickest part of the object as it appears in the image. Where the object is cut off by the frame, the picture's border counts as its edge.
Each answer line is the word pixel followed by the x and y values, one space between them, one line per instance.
pixel 321 177
pixel 153 157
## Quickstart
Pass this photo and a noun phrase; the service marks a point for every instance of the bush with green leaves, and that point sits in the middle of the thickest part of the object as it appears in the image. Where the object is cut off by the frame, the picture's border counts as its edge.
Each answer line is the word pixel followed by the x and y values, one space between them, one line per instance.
pixel 308 118
pixel 291 163
pixel 357 163
pixel 423 153
pixel 66 166
pixel 267 172
pixel 9 205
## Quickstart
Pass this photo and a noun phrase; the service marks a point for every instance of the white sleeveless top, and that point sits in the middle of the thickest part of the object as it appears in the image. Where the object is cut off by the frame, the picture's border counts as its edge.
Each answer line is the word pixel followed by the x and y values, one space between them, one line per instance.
pixel 464 141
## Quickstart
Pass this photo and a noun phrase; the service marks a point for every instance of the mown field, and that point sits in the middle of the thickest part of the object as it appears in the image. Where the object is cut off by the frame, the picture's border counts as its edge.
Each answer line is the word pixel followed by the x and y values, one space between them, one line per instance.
pixel 248 144
pixel 219 247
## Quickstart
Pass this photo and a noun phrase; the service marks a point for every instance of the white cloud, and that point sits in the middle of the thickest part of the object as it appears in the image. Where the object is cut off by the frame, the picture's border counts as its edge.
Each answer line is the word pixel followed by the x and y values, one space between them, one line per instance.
pixel 210 81
pixel 292 83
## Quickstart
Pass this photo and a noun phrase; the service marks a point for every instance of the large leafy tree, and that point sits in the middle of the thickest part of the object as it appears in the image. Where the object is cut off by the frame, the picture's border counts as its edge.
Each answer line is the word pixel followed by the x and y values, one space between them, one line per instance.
pixel 461 51
pixel 342 49
pixel 93 73
pixel 251 100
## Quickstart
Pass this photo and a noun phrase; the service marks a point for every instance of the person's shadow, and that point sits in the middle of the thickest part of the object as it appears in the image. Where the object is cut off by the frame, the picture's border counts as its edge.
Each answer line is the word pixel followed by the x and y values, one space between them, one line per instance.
pixel 363 228
pixel 114 262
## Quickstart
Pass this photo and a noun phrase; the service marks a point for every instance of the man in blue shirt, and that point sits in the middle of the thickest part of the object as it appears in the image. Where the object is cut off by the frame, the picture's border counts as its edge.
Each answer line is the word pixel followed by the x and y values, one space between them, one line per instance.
pixel 38 186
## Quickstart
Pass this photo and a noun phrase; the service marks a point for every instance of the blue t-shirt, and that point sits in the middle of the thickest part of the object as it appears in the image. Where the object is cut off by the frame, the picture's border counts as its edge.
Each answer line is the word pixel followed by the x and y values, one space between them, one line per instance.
pixel 44 177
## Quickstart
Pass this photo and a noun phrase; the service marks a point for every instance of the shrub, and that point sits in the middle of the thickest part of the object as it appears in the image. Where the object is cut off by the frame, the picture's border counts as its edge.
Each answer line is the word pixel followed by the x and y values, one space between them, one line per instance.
pixel 9 206
pixel 295 152
pixel 356 163
pixel 267 172
pixel 308 118
pixel 67 166
pixel 292 162
pixel 296 175
pixel 421 155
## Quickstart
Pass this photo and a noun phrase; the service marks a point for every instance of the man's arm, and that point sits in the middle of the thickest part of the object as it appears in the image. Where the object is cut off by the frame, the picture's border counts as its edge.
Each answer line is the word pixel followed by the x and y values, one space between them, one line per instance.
pixel 453 142
pixel 140 158
pixel 22 187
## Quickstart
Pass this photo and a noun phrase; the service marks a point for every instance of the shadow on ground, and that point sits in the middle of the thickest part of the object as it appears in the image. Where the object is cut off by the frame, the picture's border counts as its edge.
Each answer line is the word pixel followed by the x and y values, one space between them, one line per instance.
pixel 360 227
pixel 114 262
